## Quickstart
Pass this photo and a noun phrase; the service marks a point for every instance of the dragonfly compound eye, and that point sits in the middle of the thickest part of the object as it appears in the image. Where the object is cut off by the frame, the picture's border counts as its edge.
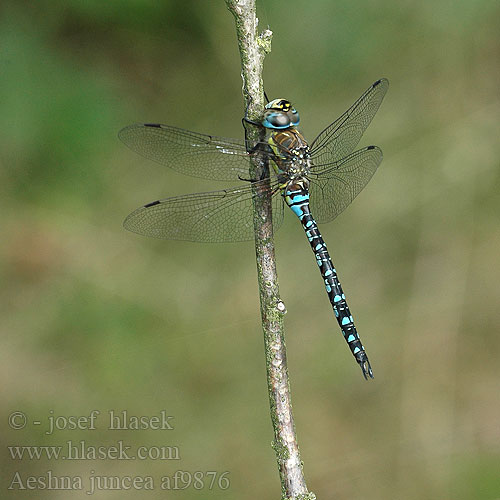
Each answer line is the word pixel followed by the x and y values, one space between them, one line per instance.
pixel 294 117
pixel 276 120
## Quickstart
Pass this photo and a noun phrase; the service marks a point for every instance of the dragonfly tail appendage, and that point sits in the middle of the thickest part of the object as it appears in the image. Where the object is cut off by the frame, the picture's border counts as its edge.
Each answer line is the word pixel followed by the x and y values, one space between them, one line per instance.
pixel 366 368
pixel 297 198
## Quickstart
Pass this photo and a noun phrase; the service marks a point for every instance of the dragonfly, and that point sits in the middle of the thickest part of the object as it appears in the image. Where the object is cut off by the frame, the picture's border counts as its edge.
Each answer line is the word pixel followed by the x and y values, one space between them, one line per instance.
pixel 320 178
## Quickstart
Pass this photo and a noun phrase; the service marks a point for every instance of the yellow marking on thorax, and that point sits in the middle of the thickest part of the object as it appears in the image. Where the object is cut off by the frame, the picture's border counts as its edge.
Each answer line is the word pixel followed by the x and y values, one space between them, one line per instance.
pixel 276 152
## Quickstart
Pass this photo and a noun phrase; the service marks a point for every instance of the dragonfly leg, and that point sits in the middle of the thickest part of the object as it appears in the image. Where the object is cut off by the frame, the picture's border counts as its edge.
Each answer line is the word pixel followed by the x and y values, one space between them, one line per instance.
pixel 246 120
pixel 245 180
pixel 252 122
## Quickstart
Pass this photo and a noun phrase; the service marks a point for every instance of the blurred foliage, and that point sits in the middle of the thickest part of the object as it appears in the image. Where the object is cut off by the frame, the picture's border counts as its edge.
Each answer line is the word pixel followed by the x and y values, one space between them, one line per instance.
pixel 96 318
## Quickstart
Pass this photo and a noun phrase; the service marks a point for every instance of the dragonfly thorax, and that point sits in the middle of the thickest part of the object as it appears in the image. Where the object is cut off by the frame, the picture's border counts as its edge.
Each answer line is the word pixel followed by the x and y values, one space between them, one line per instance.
pixel 298 163
pixel 292 156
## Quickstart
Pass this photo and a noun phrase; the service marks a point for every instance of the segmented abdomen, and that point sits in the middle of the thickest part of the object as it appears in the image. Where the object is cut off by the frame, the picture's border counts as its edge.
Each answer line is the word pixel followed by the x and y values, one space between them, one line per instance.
pixel 297 198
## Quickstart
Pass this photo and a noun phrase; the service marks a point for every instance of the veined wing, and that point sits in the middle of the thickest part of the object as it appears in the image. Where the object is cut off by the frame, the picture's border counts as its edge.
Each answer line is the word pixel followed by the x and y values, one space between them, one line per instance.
pixel 217 216
pixel 190 153
pixel 334 186
pixel 341 137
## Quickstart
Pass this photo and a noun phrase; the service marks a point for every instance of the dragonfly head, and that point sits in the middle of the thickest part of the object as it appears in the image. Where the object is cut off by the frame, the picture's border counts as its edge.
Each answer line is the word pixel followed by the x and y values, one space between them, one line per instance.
pixel 280 114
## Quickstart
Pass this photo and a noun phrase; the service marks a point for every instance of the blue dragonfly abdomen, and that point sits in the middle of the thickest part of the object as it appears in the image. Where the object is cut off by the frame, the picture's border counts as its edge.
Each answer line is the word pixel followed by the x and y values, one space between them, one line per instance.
pixel 297 198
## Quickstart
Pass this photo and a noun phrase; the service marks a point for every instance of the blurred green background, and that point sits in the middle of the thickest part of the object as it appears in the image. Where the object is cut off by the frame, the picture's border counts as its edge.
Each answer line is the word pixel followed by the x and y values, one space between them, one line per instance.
pixel 94 317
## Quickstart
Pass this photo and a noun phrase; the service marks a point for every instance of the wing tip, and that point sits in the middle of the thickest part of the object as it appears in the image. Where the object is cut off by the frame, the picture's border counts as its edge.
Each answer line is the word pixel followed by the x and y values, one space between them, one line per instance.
pixel 127 223
pixel 130 222
pixel 122 134
pixel 151 204
pixel 380 81
pixel 376 150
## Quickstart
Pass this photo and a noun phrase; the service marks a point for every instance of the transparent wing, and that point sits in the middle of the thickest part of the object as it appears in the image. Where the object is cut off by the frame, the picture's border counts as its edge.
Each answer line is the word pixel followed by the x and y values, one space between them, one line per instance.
pixel 190 153
pixel 334 186
pixel 217 216
pixel 341 137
